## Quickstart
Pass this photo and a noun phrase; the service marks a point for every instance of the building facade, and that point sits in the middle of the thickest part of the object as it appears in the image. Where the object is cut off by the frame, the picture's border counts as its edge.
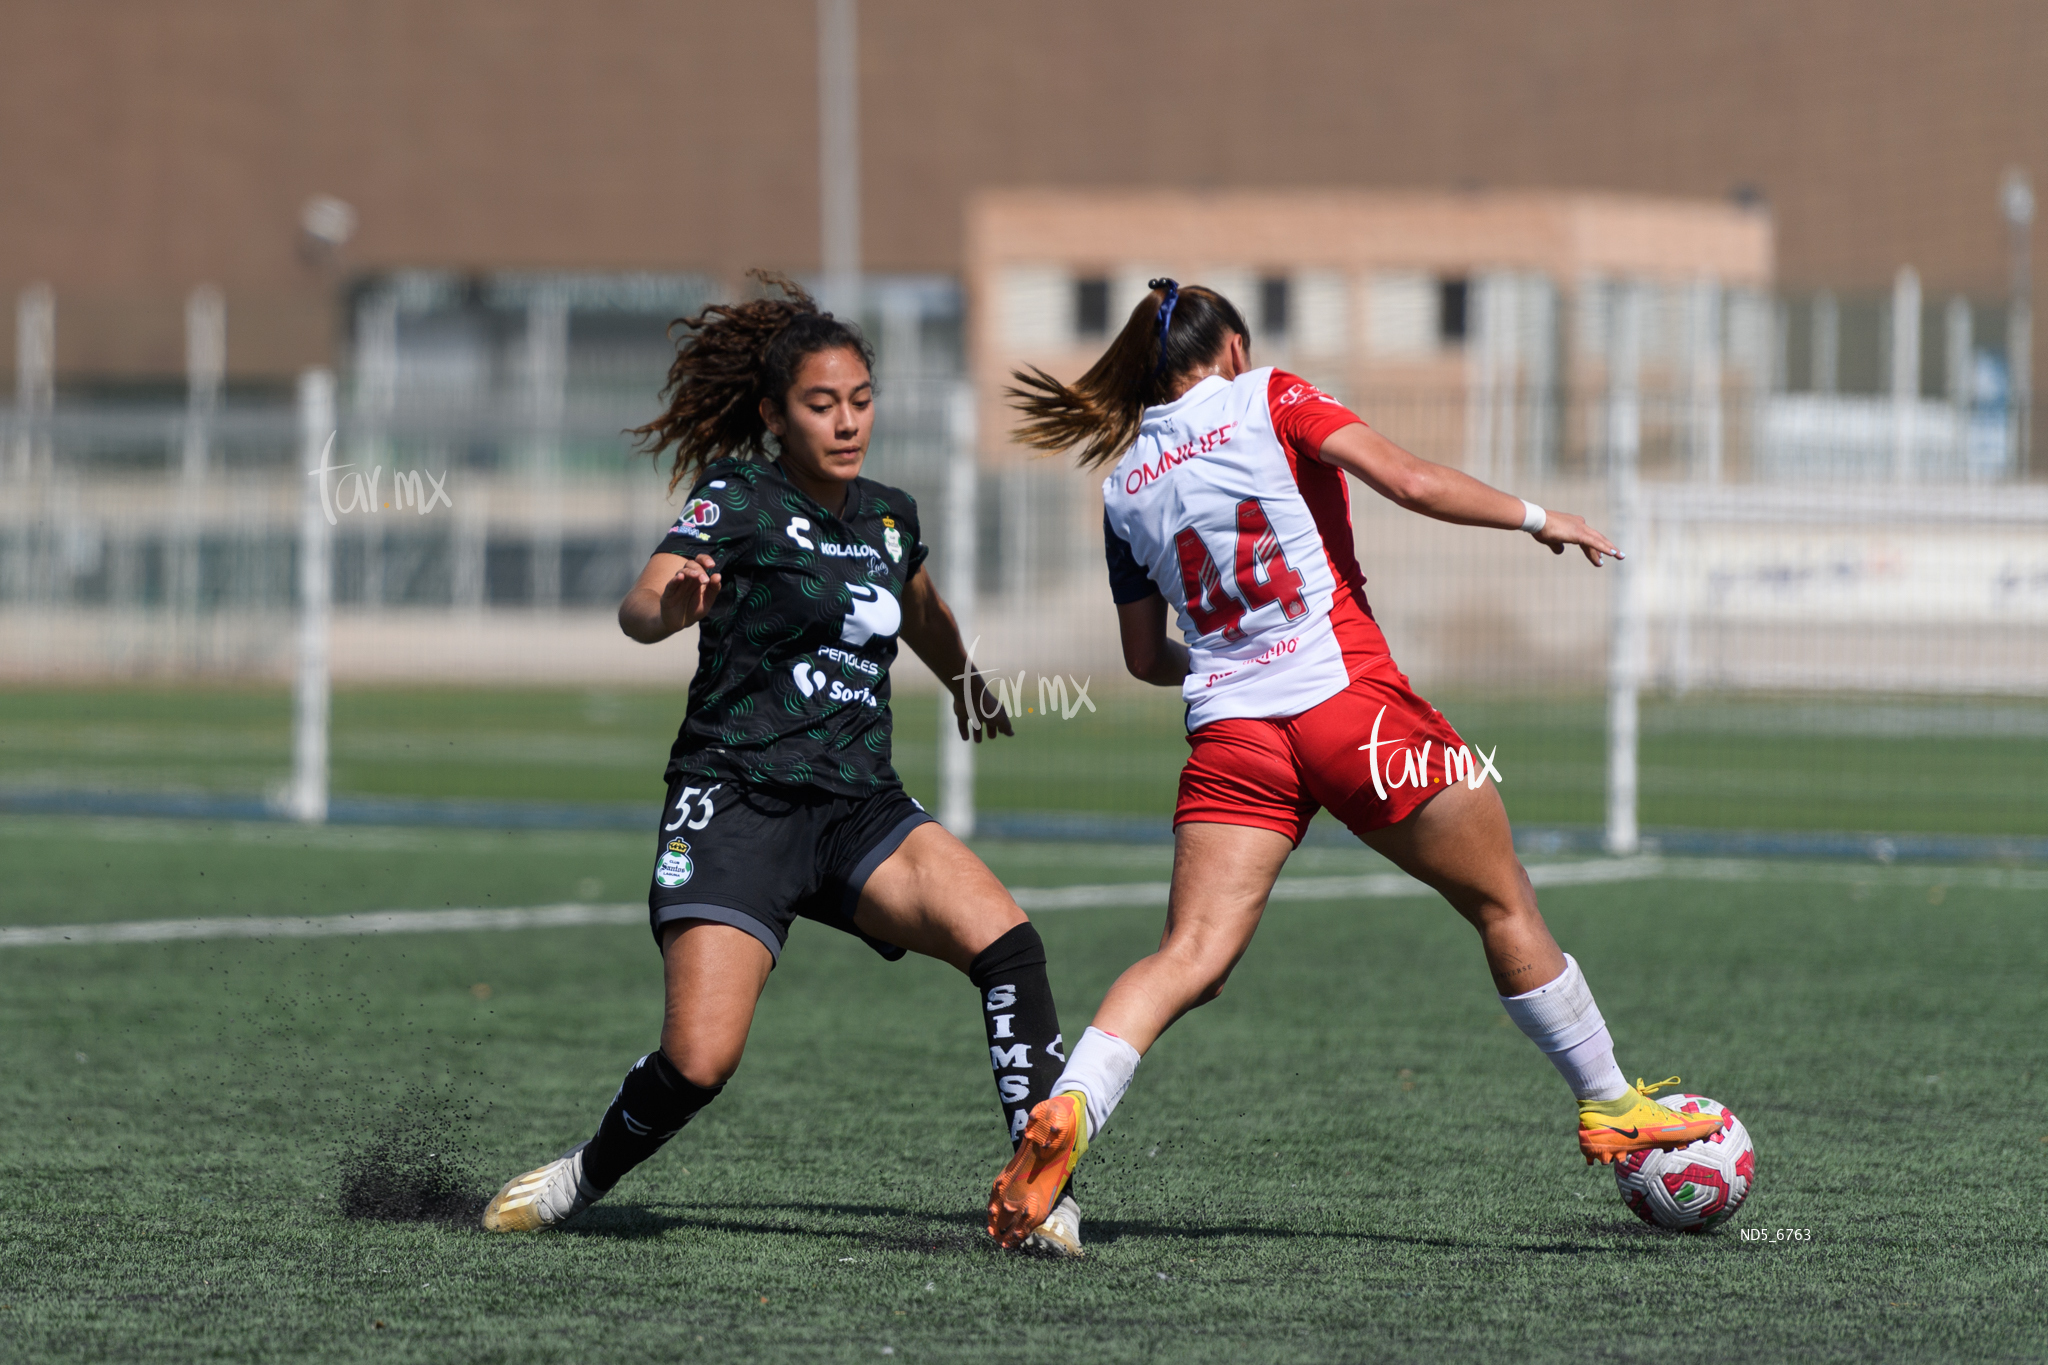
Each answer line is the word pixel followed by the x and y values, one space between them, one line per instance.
pixel 1471 319
pixel 152 150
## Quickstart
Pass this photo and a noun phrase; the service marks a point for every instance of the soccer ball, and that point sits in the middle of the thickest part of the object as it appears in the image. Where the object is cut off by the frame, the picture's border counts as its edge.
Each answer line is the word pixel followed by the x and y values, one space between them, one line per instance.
pixel 1691 1188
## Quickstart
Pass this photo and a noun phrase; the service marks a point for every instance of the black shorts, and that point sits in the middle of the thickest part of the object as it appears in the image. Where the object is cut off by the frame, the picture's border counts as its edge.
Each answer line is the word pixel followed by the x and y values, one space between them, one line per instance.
pixel 757 859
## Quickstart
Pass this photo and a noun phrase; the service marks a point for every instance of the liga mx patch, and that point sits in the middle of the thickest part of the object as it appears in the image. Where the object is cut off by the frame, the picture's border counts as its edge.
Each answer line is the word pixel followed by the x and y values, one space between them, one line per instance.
pixel 700 513
pixel 675 866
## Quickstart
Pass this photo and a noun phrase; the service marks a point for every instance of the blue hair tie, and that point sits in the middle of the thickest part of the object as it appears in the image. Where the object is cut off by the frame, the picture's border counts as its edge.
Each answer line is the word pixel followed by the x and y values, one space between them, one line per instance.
pixel 1172 288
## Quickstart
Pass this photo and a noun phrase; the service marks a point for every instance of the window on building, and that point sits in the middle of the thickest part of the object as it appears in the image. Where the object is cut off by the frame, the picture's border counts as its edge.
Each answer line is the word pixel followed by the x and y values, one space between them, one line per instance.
pixel 1273 303
pixel 1091 306
pixel 1452 295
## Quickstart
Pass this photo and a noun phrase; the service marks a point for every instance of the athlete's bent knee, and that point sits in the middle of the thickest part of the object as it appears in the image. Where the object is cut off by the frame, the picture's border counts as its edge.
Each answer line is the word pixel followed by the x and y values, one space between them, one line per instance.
pixel 702 1066
pixel 1489 910
pixel 1203 976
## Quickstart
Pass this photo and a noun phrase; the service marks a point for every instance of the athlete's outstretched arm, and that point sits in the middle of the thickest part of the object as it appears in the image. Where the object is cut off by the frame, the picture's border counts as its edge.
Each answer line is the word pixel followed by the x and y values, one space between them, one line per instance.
pixel 934 636
pixel 1447 494
pixel 673 594
pixel 1149 653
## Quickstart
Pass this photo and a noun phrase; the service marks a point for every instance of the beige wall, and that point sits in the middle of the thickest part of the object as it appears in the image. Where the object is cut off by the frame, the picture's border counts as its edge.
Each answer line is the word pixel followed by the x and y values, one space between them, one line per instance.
pixel 1351 235
pixel 1558 234
pixel 146 147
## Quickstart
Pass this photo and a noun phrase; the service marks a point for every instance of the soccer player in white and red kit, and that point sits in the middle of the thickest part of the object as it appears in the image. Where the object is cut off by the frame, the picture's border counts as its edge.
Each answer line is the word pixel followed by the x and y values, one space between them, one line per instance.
pixel 1227 508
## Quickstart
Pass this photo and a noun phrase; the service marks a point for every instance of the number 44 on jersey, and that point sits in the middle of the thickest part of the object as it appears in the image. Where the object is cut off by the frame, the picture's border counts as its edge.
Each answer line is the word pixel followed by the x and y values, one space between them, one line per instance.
pixel 1263 575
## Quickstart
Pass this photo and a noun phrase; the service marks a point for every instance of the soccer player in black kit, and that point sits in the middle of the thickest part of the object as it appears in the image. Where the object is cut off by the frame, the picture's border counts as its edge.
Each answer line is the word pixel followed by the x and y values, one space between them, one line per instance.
pixel 800 576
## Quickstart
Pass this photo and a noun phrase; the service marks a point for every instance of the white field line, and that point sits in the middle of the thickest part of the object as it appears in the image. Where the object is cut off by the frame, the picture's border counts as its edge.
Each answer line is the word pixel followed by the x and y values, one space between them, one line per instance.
pixel 1848 874
pixel 1373 886
pixel 323 926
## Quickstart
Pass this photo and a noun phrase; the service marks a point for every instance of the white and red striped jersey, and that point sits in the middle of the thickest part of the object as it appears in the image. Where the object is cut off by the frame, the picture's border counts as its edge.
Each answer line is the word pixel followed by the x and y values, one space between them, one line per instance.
pixel 1224 507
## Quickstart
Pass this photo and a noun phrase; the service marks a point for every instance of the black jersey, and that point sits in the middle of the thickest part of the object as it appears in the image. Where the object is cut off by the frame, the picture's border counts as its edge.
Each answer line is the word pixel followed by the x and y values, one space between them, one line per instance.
pixel 792 685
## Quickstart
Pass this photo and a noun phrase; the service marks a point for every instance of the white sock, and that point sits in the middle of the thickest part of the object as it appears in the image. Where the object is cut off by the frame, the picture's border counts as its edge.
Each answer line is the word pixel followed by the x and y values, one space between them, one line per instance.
pixel 1561 1019
pixel 1100 1067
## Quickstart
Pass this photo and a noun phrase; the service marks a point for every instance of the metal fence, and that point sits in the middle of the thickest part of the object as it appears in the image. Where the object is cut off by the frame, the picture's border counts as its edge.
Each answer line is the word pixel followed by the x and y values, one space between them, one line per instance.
pixel 1839 622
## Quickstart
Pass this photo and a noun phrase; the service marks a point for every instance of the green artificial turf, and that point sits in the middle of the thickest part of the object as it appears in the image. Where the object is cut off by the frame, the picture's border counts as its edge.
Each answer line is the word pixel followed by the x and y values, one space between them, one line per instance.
pixel 1913 765
pixel 1350 1156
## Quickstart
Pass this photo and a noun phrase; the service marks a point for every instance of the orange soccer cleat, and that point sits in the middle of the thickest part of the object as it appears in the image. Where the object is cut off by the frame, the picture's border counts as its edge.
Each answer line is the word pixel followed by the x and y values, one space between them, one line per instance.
pixel 1029 1187
pixel 1609 1129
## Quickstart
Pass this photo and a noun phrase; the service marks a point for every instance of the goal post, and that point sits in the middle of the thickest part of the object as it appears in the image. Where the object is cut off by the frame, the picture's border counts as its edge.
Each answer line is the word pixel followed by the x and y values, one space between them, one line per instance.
pixel 1625 631
pixel 311 685
pixel 956 758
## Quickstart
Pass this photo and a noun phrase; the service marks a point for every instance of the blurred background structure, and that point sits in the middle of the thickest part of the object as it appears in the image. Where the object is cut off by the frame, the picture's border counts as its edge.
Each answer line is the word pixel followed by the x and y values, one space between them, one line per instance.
pixel 1750 286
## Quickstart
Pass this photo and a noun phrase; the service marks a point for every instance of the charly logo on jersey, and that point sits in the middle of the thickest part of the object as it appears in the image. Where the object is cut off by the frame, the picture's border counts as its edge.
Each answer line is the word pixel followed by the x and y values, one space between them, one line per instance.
pixel 833 549
pixel 675 866
pixel 892 539
pixel 699 514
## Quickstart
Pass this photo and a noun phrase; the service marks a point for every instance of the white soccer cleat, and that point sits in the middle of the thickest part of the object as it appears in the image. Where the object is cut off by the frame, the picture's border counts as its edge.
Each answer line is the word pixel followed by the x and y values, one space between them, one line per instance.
pixel 543 1198
pixel 1060 1233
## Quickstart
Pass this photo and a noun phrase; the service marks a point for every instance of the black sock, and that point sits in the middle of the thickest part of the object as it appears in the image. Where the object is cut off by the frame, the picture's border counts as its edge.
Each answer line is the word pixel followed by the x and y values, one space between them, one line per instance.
pixel 653 1104
pixel 1024 1043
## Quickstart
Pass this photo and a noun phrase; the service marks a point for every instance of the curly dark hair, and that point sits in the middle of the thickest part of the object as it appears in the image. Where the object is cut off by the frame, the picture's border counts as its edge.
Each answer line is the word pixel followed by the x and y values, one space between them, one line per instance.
pixel 735 355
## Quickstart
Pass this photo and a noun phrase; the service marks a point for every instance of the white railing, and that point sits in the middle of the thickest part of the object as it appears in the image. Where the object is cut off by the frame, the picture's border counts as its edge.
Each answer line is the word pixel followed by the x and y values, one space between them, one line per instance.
pixel 1839 580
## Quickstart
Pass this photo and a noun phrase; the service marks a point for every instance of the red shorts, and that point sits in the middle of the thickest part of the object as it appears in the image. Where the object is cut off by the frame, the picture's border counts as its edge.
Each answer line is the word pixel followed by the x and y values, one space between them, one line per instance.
pixel 1372 754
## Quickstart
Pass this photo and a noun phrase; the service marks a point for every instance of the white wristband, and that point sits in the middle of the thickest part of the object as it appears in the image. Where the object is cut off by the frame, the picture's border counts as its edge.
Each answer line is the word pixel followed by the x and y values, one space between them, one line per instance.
pixel 1533 517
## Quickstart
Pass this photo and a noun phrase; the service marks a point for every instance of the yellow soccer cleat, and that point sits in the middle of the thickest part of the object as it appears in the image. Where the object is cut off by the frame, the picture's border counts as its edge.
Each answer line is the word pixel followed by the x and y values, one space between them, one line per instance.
pixel 1026 1191
pixel 542 1198
pixel 1609 1129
